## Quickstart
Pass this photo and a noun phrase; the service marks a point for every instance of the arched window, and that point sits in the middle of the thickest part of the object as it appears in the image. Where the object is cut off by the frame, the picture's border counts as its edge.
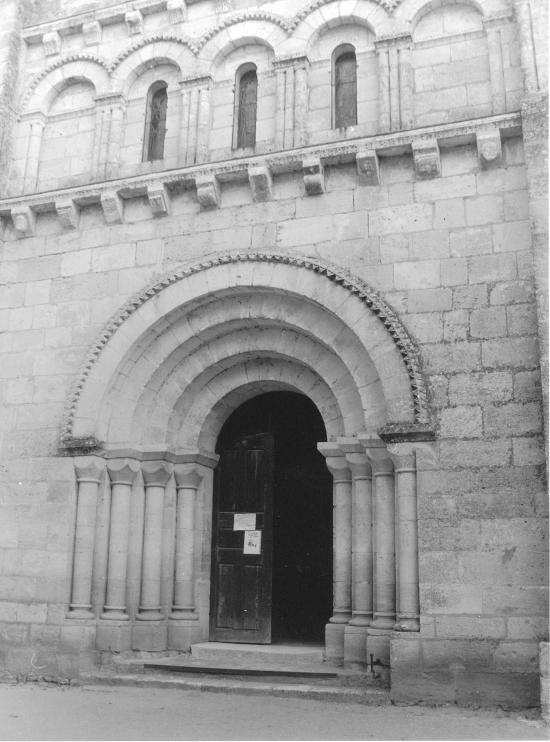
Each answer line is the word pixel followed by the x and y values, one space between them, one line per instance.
pixel 247 99
pixel 345 87
pixel 155 122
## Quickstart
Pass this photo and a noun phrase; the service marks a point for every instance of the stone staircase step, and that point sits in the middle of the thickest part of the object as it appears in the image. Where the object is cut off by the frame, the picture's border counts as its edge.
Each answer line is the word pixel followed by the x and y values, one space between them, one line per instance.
pixel 245 686
pixel 289 655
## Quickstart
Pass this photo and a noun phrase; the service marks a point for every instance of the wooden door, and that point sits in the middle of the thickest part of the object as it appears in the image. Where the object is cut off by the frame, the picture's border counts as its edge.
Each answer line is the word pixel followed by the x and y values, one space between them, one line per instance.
pixel 240 608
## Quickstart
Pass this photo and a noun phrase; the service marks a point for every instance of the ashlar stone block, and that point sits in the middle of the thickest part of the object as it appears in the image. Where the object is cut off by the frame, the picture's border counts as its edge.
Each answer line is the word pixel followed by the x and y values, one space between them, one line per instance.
pixel 208 191
pixel 368 167
pixel 259 177
pixel 314 176
pixel 113 209
pixel 51 43
pixel 159 199
pixel 134 22
pixel 68 213
pixel 427 161
pixel 489 148
pixel 23 221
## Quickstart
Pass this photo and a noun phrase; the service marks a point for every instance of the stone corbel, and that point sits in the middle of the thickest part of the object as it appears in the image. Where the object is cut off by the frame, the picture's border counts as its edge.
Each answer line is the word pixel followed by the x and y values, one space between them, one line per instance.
pixel 91 31
pixel 224 6
pixel 489 148
pixel 159 199
pixel 208 191
pixel 259 177
pixel 68 213
pixel 24 221
pixel 177 11
pixel 427 162
pixel 368 167
pixel 134 22
pixel 314 176
pixel 113 208
pixel 51 43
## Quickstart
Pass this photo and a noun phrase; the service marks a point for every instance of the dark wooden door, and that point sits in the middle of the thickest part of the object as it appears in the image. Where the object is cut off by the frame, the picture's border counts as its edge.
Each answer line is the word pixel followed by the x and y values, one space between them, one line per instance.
pixel 240 608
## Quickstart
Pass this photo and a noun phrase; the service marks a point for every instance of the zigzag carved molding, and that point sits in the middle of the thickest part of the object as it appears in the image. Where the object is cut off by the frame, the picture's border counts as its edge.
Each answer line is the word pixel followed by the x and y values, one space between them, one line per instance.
pixel 356 286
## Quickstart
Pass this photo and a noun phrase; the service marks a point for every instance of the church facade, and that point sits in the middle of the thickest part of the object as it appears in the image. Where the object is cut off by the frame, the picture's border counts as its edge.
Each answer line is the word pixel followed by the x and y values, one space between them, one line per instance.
pixel 274 340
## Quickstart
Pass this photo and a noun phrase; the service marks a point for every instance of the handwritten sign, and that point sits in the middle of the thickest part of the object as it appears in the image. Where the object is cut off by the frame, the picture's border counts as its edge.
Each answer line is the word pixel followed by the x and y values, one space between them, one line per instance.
pixel 244 522
pixel 252 542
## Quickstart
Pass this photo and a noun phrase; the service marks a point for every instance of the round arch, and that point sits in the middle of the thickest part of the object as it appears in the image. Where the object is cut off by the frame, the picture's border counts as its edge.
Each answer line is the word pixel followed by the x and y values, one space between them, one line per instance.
pixel 179 352
pixel 46 86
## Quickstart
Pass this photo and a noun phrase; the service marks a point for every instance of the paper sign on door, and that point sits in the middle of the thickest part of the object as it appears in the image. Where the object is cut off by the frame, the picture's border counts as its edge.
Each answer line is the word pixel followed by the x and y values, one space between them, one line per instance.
pixel 252 542
pixel 244 521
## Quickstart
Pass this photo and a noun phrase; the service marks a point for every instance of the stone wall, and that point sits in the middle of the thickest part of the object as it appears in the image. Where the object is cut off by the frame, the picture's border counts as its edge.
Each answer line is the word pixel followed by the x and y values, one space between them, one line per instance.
pixel 452 254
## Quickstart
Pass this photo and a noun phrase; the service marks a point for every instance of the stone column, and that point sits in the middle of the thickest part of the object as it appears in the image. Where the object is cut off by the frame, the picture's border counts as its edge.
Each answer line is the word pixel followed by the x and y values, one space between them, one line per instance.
pixel 406 83
pixel 498 89
pixel 122 473
pixel 36 126
pixel 341 547
pixel 116 132
pixel 384 115
pixel 404 460
pixel 383 549
pixel 292 102
pixel 101 139
pixel 155 478
pixel 204 120
pixel 361 515
pixel 88 475
pixel 188 479
pixel 525 21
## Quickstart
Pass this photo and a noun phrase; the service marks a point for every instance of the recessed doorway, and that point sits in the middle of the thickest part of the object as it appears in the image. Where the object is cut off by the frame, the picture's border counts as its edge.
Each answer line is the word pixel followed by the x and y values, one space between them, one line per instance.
pixel 272 524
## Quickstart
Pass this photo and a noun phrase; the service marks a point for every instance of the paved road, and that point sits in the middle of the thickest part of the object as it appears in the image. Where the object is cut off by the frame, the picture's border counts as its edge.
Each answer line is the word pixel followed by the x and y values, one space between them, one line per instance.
pixel 43 712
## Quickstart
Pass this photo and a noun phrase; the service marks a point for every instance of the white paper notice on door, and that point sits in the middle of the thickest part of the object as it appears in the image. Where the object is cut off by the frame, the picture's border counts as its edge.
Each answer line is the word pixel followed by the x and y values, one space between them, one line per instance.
pixel 252 542
pixel 244 521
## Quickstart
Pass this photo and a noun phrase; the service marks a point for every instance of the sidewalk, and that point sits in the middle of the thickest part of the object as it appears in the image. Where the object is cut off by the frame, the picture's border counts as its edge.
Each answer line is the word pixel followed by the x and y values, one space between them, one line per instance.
pixel 48 712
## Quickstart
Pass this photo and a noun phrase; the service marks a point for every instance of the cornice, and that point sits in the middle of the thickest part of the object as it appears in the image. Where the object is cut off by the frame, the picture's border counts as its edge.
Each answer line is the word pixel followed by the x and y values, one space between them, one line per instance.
pixel 356 286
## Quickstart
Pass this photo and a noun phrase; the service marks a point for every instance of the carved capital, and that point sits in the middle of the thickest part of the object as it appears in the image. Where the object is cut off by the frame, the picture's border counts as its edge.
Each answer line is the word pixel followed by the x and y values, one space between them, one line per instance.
pixel 122 471
pixel 188 476
pixel 259 177
pixel 489 148
pixel 297 60
pixel 113 209
pixel 89 469
pixel 91 31
pixel 177 11
pixel 134 22
pixel 67 213
pixel 368 166
pixel 314 176
pixel 427 162
pixel 51 43
pixel 403 456
pixel 156 473
pixel 336 462
pixel 159 199
pixel 208 191
pixel 24 221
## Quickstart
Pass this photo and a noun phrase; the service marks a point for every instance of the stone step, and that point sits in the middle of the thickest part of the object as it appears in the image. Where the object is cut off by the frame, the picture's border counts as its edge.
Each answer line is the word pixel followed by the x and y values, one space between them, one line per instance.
pixel 283 655
pixel 246 686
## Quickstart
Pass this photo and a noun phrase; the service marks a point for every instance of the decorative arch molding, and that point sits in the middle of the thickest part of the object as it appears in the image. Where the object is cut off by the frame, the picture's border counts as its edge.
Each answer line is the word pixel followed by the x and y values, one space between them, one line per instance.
pixel 84 66
pixel 355 287
pixel 412 11
pixel 387 5
pixel 175 40
pixel 265 16
pixel 239 34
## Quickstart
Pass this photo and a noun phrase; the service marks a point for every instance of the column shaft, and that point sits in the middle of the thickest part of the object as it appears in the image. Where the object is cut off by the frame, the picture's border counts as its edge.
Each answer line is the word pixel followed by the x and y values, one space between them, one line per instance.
pixel 122 476
pixel 88 475
pixel 406 84
pixel 187 482
pixel 384 116
pixel 280 114
pixel 395 117
pixel 362 550
pixel 301 106
pixel 193 125
pixel 115 140
pixel 203 135
pixel 498 90
pixel 527 46
pixel 36 132
pixel 289 108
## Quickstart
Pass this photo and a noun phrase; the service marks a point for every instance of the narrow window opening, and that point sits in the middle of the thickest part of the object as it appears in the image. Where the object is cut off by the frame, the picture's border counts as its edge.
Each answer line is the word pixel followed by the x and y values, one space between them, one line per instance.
pixel 155 124
pixel 345 89
pixel 247 109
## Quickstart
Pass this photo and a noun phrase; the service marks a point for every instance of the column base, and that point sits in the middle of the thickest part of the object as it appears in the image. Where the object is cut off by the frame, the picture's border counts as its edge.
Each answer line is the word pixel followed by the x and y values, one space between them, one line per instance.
pixel 114 614
pixel 386 622
pixel 355 647
pixel 183 614
pixel 334 643
pixel 407 624
pixel 378 644
pixel 80 611
pixel 340 617
pixel 149 614
pixel 181 635
pixel 113 637
pixel 149 636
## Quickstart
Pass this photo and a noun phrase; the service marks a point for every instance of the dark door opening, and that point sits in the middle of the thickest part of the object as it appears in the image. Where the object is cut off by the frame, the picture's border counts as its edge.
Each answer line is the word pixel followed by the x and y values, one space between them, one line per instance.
pixel 297 559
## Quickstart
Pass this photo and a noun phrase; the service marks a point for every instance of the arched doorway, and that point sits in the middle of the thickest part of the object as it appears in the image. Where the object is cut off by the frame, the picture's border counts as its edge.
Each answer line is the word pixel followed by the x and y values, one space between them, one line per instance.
pixel 269 463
